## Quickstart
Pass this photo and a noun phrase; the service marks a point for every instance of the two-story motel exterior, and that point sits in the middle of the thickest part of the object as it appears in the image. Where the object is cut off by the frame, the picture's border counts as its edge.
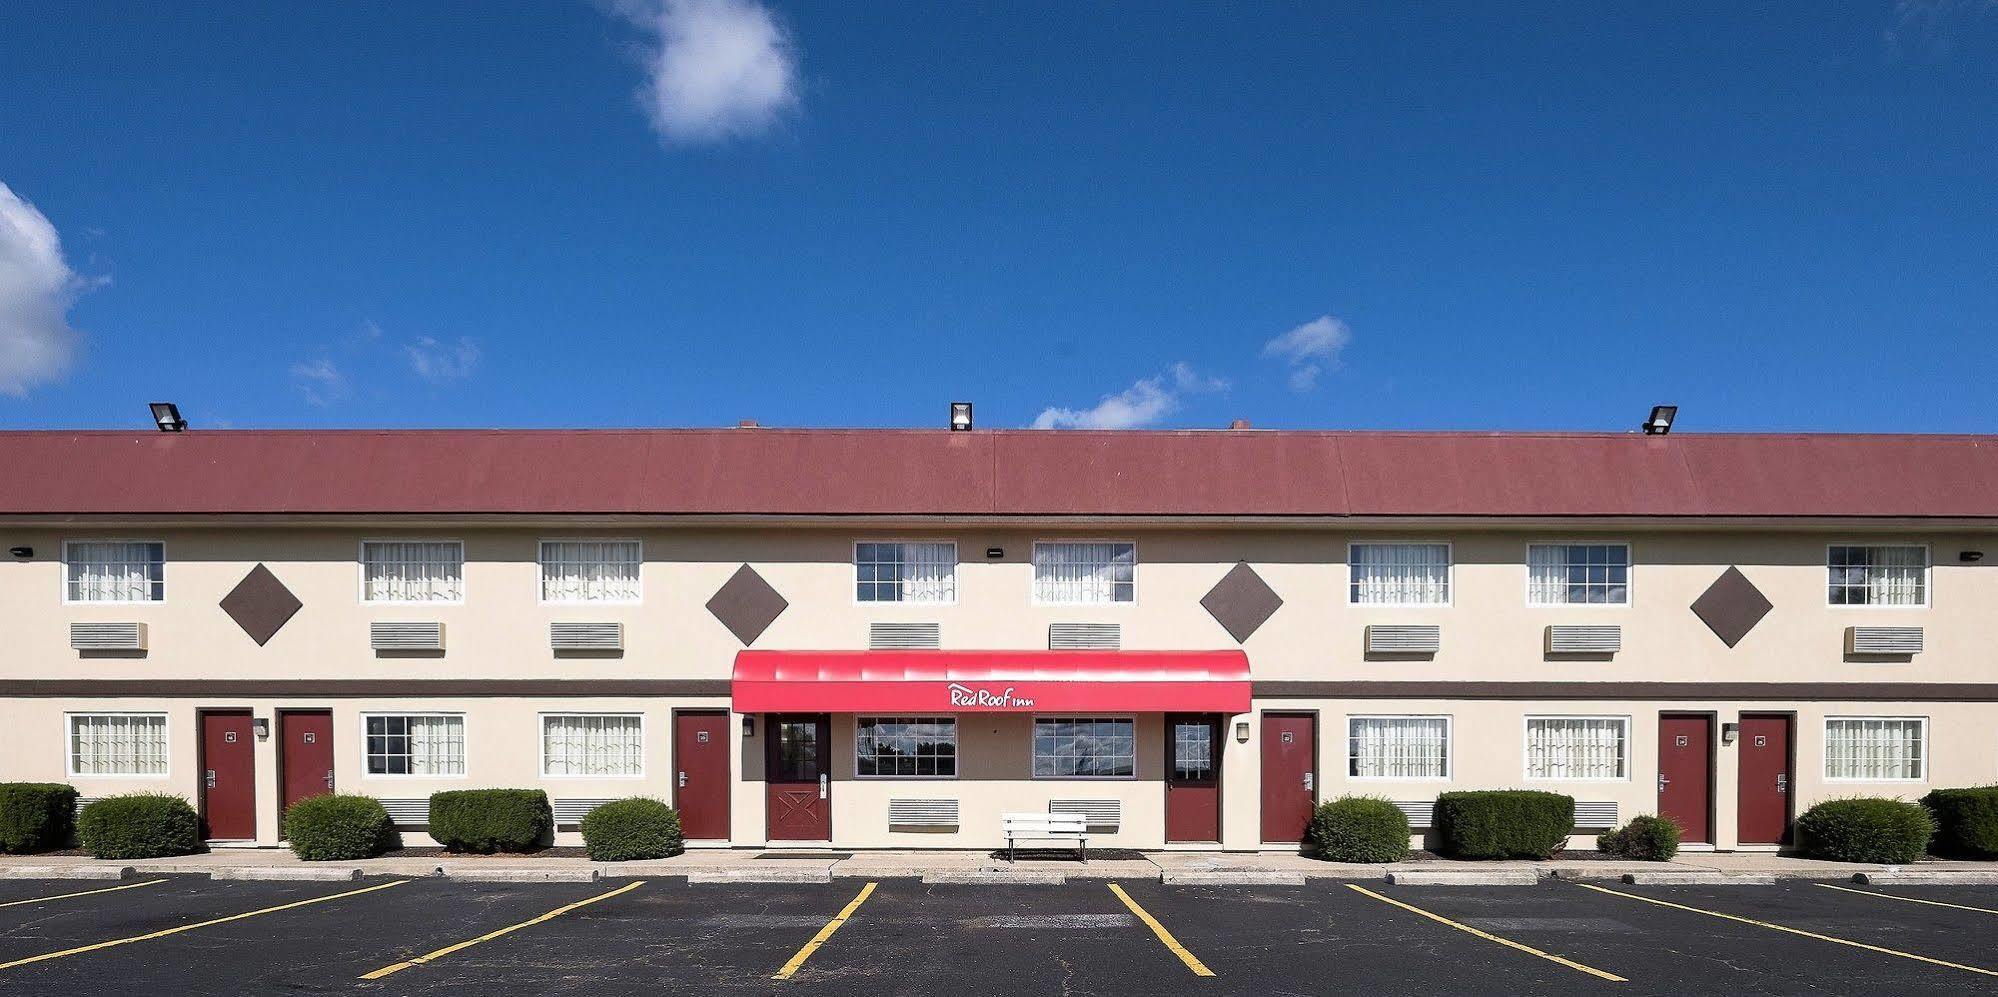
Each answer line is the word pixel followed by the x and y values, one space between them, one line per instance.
pixel 869 639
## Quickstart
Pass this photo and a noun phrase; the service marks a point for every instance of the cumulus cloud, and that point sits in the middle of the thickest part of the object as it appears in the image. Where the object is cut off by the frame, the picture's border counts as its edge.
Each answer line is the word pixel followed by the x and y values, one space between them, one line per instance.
pixel 36 289
pixel 716 69
pixel 438 362
pixel 1309 349
pixel 320 380
pixel 1142 404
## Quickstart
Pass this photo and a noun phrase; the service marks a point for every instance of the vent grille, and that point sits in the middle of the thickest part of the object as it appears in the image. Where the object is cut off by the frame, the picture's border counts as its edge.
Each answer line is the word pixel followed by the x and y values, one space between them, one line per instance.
pixel 1404 639
pixel 1106 815
pixel 406 636
pixel 408 813
pixel 107 636
pixel 572 811
pixel 1596 813
pixel 922 813
pixel 1421 813
pixel 586 636
pixel 1085 636
pixel 1584 640
pixel 1883 640
pixel 904 636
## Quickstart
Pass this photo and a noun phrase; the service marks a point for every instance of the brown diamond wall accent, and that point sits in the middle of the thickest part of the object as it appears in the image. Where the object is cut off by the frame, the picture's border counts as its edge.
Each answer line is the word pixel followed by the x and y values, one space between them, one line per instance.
pixel 1241 601
pixel 261 605
pixel 1731 606
pixel 747 605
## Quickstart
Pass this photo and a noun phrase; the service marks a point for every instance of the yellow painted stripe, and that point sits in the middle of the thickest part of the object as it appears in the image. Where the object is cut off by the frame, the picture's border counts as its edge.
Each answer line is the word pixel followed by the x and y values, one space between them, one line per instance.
pixel 1911 900
pixel 1488 936
pixel 85 893
pixel 1793 931
pixel 149 936
pixel 798 961
pixel 1199 968
pixel 429 957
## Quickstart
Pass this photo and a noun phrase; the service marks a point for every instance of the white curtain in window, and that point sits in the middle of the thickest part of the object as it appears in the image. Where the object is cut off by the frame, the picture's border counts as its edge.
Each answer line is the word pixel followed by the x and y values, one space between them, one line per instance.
pixel 1400 747
pixel 118 744
pixel 590 571
pixel 115 571
pixel 1085 572
pixel 436 745
pixel 929 572
pixel 1547 574
pixel 413 572
pixel 1895 577
pixel 1866 748
pixel 1575 748
pixel 1401 574
pixel 592 745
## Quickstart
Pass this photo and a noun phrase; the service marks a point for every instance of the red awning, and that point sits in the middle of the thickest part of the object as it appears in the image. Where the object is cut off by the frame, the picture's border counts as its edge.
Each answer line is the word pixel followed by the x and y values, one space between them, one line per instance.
pixel 991 682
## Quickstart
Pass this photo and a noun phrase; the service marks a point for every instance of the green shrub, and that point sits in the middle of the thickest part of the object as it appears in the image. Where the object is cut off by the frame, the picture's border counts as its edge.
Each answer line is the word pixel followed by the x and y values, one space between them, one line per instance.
pixel 1649 838
pixel 491 820
pixel 36 816
pixel 139 826
pixel 1504 823
pixel 337 827
pixel 634 828
pixel 1866 829
pixel 1966 822
pixel 1360 829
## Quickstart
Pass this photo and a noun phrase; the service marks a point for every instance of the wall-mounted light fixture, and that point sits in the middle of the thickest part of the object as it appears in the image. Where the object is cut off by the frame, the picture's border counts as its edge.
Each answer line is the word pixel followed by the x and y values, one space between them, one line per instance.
pixel 748 725
pixel 994 553
pixel 166 415
pixel 1970 556
pixel 1660 422
pixel 1241 732
pixel 960 416
pixel 21 551
pixel 1730 733
pixel 262 726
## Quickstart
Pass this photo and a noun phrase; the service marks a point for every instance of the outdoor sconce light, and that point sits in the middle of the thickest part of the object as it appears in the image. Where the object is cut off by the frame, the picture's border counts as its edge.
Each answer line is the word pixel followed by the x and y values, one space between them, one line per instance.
pixel 1970 556
pixel 166 415
pixel 748 725
pixel 21 551
pixel 1730 733
pixel 994 553
pixel 263 728
pixel 960 416
pixel 1660 422
pixel 1241 732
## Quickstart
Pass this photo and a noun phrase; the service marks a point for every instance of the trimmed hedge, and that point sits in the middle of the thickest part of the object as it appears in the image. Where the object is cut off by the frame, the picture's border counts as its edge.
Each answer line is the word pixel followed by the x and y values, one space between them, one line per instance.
pixel 1645 837
pixel 337 827
pixel 635 828
pixel 1866 829
pixel 1966 822
pixel 1360 829
pixel 491 820
pixel 36 816
pixel 1504 823
pixel 139 826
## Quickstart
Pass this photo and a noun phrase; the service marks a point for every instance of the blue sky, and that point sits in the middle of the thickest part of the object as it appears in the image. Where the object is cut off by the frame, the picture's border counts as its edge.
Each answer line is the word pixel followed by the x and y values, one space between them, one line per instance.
pixel 687 212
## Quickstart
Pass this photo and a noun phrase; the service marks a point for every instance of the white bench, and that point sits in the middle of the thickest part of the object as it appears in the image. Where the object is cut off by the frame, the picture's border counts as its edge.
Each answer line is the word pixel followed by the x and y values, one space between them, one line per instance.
pixel 1046 827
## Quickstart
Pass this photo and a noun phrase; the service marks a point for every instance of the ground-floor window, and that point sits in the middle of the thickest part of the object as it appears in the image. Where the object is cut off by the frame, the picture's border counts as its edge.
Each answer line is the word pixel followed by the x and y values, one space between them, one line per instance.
pixel 1876 747
pixel 1577 747
pixel 415 744
pixel 1085 747
pixel 592 744
pixel 117 744
pixel 905 746
pixel 1398 747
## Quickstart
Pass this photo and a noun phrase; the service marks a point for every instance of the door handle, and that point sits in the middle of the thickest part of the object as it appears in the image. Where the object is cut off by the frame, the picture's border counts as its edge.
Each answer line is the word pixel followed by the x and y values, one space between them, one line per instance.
pixel 1782 782
pixel 1310 780
pixel 1662 782
pixel 329 780
pixel 822 786
pixel 211 778
pixel 683 779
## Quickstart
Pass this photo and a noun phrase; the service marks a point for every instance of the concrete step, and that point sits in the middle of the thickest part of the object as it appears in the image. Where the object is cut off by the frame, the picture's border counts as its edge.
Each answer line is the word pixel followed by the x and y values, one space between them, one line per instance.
pixel 289 873
pixel 471 873
pixel 65 871
pixel 994 877
pixel 1697 877
pixel 1463 877
pixel 1230 877
pixel 1939 877
pixel 760 875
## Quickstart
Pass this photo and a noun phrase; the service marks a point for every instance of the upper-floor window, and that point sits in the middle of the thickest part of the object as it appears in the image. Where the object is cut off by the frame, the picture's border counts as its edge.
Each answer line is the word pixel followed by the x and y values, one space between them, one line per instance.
pixel 1885 748
pixel 1400 574
pixel 114 571
pixel 412 571
pixel 1577 747
pixel 593 744
pixel 117 744
pixel 590 570
pixel 1071 573
pixel 893 571
pixel 1878 576
pixel 1398 747
pixel 1578 574
pixel 415 744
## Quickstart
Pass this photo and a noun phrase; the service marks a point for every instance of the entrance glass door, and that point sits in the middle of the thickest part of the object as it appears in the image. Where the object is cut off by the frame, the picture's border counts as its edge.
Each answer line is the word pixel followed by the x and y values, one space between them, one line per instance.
pixel 799 778
pixel 1193 777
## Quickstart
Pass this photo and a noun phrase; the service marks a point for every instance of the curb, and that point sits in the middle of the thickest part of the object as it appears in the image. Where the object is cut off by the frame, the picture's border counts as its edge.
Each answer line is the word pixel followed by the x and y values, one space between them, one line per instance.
pixel 1231 877
pixel 1939 877
pixel 477 875
pixel 283 874
pixel 66 872
pixel 699 876
pixel 1493 877
pixel 983 877
pixel 1698 879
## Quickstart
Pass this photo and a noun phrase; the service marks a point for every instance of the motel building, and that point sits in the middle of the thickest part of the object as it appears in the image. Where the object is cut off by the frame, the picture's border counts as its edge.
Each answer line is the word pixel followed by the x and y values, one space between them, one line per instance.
pixel 866 639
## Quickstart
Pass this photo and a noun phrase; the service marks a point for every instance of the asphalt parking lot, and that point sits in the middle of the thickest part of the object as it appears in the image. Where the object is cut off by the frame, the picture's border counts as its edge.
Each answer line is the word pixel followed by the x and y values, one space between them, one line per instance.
pixel 185 935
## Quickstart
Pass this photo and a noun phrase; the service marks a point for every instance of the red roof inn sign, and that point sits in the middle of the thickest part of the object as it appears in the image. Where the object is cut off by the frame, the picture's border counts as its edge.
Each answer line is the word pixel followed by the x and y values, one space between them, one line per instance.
pixel 965 697
pixel 990 682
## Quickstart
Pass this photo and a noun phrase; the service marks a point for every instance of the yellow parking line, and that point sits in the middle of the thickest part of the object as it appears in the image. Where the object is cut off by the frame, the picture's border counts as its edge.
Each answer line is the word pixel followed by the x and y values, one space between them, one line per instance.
pixel 85 893
pixel 490 935
pixel 1793 931
pixel 1488 936
pixel 1912 900
pixel 149 936
pixel 1199 968
pixel 798 961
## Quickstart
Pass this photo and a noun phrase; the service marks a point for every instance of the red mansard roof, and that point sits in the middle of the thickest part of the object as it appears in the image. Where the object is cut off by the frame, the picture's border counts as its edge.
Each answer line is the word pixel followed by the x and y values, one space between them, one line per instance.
pixel 996 473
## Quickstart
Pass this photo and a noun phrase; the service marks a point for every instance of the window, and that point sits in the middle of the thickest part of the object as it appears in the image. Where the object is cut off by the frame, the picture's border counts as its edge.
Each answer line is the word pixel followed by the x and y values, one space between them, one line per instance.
pixel 1576 747
pixel 600 745
pixel 118 744
pixel 1400 574
pixel 1085 747
pixel 1193 750
pixel 590 570
pixel 402 571
pixel 416 744
pixel 1578 574
pixel 114 571
pixel 905 746
pixel 1876 748
pixel 1085 573
pixel 905 572
pixel 1878 576
pixel 1398 747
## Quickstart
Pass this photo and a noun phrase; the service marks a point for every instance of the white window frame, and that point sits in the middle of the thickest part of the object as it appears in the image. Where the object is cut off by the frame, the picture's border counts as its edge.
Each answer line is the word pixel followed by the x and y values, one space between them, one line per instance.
pixel 853 580
pixel 1928 579
pixel 956 745
pixel 1824 748
pixel 465 724
pixel 1629 574
pixel 1033 580
pixel 541 574
pixel 69 734
pixel 1526 742
pixel 1449 573
pixel 464 572
pixel 67 601
pixel 541 737
pixel 1137 751
pixel 1449 746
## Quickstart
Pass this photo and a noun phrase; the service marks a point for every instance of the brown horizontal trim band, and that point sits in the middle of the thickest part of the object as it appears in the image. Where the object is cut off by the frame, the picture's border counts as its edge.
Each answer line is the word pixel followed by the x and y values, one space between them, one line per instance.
pixel 1967 692
pixel 309 688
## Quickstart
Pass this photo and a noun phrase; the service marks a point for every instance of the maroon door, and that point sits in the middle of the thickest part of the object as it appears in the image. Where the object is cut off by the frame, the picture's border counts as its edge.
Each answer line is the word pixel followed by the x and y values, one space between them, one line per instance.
pixel 1685 774
pixel 305 746
pixel 1193 777
pixel 1290 775
pixel 800 778
pixel 229 777
pixel 1763 807
pixel 700 758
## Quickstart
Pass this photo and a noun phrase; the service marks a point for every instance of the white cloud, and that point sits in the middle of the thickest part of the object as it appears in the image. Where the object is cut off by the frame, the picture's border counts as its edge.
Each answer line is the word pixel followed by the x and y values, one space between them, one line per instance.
pixel 36 289
pixel 716 69
pixel 438 363
pixel 1142 404
pixel 320 380
pixel 1309 349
